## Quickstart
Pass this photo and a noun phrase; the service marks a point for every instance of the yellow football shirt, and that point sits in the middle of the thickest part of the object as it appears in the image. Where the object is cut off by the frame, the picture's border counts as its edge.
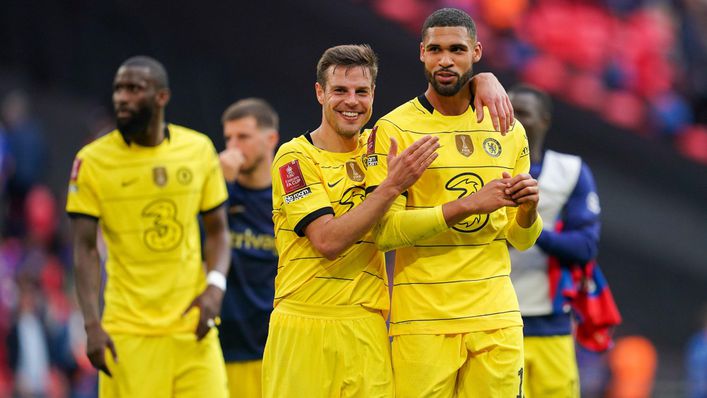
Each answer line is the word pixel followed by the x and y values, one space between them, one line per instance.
pixel 307 183
pixel 456 281
pixel 147 200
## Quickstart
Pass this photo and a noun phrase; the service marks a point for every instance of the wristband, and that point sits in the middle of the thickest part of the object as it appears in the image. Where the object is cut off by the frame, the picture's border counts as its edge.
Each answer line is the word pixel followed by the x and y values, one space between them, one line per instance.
pixel 217 279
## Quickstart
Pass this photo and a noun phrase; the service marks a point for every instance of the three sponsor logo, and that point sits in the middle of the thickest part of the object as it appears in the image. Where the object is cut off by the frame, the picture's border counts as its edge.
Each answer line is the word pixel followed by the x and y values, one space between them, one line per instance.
pixel 467 184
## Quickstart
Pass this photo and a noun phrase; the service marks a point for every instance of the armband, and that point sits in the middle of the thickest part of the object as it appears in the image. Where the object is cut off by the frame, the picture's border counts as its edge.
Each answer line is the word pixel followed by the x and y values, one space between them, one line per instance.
pixel 217 279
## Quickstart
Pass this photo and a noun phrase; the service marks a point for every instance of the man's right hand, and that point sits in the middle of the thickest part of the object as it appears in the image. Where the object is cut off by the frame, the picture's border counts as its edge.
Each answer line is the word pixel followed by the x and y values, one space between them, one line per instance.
pixel 231 163
pixel 491 197
pixel 97 342
pixel 406 168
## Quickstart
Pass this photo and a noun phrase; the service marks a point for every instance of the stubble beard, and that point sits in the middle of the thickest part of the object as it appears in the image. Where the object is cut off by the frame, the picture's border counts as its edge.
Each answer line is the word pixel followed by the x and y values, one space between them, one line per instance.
pixel 253 167
pixel 342 131
pixel 347 133
pixel 137 124
pixel 446 90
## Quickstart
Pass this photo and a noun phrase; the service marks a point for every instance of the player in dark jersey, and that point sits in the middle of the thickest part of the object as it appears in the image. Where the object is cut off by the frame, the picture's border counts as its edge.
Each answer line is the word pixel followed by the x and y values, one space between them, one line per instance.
pixel 250 129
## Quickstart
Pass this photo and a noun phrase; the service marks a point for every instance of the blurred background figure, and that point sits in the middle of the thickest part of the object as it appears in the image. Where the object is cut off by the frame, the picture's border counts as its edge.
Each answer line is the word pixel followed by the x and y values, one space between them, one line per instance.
pixel 558 277
pixel 27 156
pixel 29 342
pixel 4 171
pixel 40 215
pixel 594 373
pixel 250 130
pixel 693 38
pixel 39 350
pixel 568 197
pixel 696 360
pixel 633 363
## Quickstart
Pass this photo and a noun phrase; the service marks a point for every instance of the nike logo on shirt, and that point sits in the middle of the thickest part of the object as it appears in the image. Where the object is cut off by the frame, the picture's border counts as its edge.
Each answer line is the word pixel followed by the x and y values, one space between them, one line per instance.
pixel 129 182
pixel 334 184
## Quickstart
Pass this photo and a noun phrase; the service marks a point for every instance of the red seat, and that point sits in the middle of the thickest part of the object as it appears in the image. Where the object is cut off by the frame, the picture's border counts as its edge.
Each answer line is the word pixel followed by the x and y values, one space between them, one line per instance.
pixel 692 142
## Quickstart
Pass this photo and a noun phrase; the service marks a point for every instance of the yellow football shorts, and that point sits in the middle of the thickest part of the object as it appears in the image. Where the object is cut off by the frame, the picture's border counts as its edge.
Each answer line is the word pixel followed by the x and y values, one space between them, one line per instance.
pixel 244 379
pixel 326 351
pixel 468 365
pixel 550 367
pixel 165 366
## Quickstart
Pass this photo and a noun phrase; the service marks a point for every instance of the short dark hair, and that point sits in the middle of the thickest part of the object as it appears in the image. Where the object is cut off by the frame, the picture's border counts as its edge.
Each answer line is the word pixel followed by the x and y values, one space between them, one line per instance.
pixel 542 96
pixel 347 56
pixel 264 114
pixel 449 17
pixel 157 70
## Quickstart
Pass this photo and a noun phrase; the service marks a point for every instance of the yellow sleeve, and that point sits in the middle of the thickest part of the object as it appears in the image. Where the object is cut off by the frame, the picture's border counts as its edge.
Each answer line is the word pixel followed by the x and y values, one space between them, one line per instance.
pixel 524 238
pixel 402 228
pixel 377 148
pixel 298 190
pixel 214 191
pixel 399 227
pixel 521 238
pixel 82 197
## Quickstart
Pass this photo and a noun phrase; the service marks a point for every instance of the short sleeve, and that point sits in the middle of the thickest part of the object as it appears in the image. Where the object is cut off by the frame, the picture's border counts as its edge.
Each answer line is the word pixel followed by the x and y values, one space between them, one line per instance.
pixel 82 198
pixel 213 192
pixel 298 190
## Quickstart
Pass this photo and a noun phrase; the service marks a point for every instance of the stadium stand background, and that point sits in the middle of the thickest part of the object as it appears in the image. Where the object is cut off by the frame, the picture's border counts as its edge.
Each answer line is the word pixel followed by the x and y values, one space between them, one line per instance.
pixel 649 166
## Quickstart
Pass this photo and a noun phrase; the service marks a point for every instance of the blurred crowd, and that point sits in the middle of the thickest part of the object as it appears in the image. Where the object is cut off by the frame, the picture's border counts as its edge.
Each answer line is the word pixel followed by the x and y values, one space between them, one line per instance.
pixel 639 64
pixel 42 351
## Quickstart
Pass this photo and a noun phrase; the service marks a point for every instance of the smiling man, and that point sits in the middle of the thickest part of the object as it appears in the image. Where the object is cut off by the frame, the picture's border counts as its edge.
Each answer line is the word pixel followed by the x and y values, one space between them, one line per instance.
pixel 327 332
pixel 144 184
pixel 456 327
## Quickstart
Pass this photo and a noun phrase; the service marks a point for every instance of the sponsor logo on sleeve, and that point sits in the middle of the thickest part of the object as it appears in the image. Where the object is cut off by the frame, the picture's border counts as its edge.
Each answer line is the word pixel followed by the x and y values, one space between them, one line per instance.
pixel 371 145
pixel 302 193
pixel 291 176
pixel 75 169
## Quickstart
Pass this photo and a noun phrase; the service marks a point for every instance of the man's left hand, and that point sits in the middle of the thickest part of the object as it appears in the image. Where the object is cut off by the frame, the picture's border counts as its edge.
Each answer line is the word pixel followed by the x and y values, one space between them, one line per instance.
pixel 489 92
pixel 209 304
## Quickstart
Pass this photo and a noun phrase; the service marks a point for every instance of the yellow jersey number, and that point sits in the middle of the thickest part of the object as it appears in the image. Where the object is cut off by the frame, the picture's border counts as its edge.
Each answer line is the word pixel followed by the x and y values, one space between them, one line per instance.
pixel 166 232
